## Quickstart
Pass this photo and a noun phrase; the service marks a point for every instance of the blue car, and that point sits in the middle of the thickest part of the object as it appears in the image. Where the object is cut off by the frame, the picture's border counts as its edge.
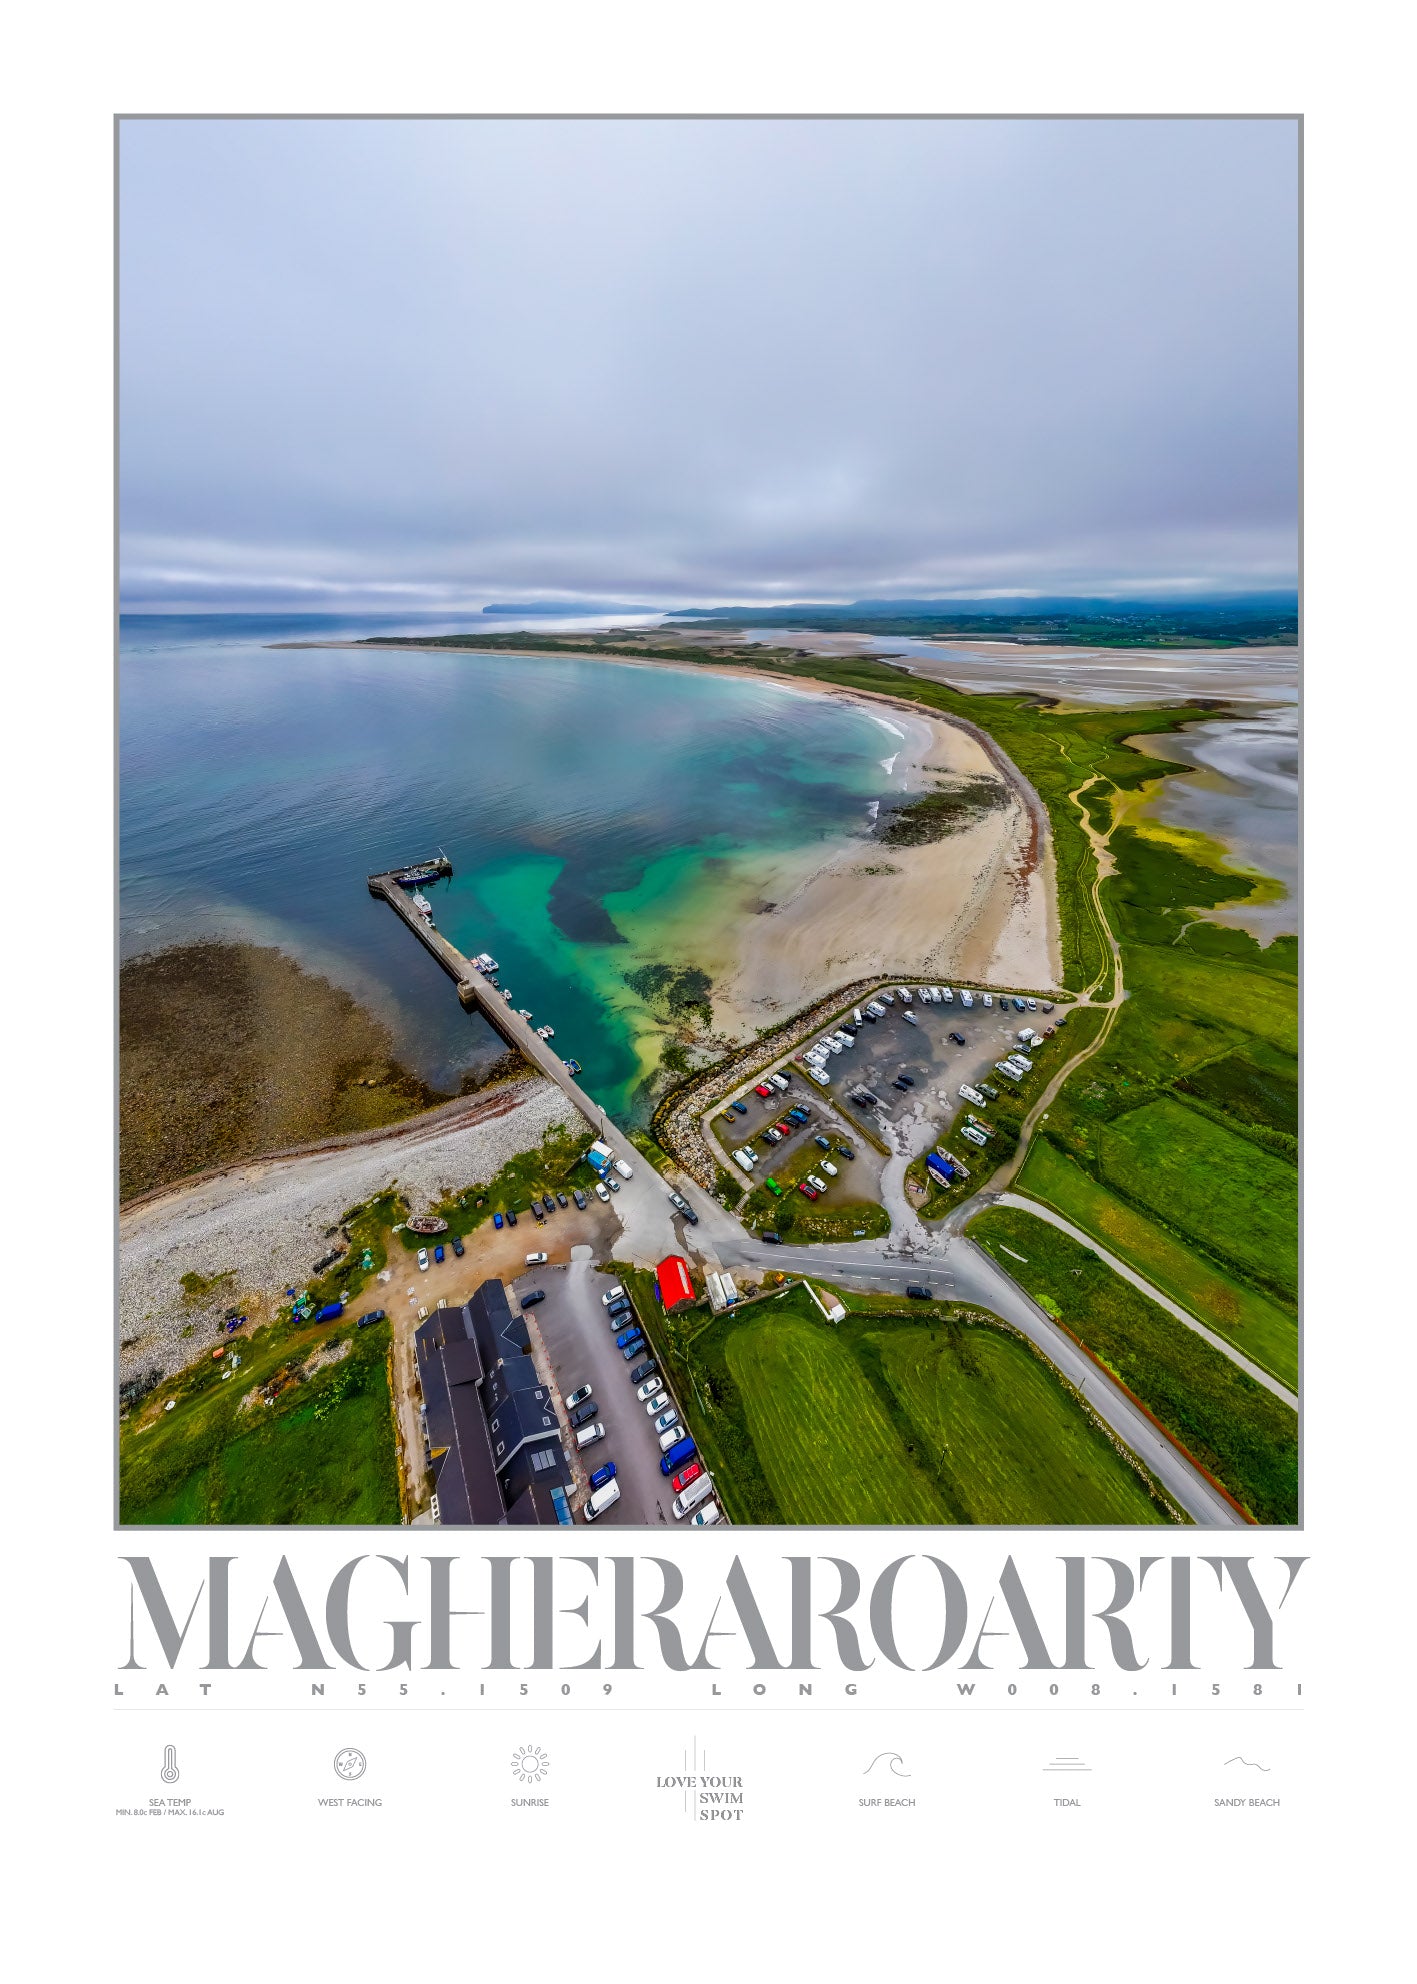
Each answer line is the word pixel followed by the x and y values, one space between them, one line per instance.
pixel 741 1107
pixel 681 1451
pixel 437 1253
pixel 497 1221
pixel 628 1336
pixel 603 1474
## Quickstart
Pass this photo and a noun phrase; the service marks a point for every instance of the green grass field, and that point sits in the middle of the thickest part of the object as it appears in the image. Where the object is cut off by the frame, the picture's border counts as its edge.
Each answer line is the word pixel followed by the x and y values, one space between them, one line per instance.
pixel 1239 1313
pixel 1237 1200
pixel 1007 1442
pixel 323 1453
pixel 1238 1431
pixel 828 1450
pixel 891 1417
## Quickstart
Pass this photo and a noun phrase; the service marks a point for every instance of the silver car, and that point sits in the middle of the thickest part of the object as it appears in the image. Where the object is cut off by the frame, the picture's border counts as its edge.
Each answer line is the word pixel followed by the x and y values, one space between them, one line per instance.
pixel 666 1420
pixel 648 1389
pixel 657 1403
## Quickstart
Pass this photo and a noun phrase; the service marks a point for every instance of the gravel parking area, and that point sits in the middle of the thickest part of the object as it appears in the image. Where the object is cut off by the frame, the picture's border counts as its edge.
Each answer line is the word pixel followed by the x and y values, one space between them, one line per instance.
pixel 266 1222
pixel 580 1345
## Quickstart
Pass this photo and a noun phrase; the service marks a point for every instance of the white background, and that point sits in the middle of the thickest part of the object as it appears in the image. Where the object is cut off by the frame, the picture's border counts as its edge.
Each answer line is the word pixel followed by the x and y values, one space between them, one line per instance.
pixel 983 1871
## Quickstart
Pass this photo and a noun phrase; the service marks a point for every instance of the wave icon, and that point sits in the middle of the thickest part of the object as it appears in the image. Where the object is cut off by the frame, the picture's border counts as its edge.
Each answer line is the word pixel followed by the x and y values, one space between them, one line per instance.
pixel 893 1758
pixel 1247 1762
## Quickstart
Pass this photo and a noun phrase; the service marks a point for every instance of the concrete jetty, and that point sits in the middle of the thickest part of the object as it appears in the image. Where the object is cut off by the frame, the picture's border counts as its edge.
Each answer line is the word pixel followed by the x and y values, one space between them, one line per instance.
pixel 478 994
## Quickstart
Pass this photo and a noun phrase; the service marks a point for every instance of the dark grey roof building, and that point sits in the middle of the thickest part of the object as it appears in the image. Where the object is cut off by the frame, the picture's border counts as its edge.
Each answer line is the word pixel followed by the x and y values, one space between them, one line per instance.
pixel 492 1427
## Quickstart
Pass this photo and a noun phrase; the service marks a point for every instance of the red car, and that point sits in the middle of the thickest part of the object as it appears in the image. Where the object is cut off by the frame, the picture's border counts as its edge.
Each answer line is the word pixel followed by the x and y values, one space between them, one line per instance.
pixel 763 1089
pixel 686 1475
pixel 807 1191
pixel 785 1127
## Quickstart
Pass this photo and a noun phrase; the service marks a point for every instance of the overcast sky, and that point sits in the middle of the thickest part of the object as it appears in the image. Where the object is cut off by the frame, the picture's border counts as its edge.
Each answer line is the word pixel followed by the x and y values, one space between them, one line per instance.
pixel 430 365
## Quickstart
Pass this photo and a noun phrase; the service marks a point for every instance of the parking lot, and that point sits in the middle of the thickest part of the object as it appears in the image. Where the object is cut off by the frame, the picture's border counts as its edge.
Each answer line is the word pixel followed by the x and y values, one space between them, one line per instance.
pixel 924 1053
pixel 580 1345
pixel 857 1178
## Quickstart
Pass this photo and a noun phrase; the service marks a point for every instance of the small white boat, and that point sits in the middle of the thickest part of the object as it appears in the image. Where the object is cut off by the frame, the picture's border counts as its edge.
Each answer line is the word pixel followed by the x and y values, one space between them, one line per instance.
pixel 423 906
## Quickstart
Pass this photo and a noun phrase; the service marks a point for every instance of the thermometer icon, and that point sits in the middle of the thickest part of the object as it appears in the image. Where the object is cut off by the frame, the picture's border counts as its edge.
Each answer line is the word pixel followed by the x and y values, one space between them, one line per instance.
pixel 170 1772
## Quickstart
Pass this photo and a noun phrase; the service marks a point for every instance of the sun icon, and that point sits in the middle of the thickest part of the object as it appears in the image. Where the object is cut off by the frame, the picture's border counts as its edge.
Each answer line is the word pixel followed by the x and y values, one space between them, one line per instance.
pixel 530 1764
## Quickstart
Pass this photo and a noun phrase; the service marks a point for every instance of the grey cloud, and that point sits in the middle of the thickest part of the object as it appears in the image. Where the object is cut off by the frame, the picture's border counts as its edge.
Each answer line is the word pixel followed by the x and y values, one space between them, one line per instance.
pixel 377 363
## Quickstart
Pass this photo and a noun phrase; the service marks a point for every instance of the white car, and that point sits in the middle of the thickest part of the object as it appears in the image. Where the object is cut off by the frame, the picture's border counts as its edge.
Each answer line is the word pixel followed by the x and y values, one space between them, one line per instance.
pixel 601 1193
pixel 588 1435
pixel 648 1389
pixel 423 1258
pixel 989 1000
pixel 578 1397
pixel 829 1167
pixel 670 1439
pixel 666 1420
pixel 706 1517
pixel 537 1260
pixel 616 1294
pixel 656 1403
pixel 818 1184
pixel 613 1183
pixel 623 1168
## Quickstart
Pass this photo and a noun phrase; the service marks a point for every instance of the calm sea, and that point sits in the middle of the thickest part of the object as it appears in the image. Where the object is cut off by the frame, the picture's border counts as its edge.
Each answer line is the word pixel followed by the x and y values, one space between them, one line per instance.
pixel 595 814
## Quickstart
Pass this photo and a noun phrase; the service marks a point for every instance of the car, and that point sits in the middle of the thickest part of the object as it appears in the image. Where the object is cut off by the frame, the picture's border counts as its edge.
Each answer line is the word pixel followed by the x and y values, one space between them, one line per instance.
pixel 909 1080
pixel 548 1204
pixel 561 1200
pixel 670 1437
pixel 686 1475
pixel 628 1336
pixel 681 1205
pixel 582 1413
pixel 902 1086
pixel 774 1135
pixel 806 1190
pixel 690 1215
pixel 458 1247
pixel 814 1180
pixel 371 1316
pixel 657 1400
pixel 677 1454
pixel 829 1167
pixel 845 1150
pixel 740 1107
pixel 603 1499
pixel 618 1311
pixel 634 1348
pixel 825 1142
pixel 423 1259
pixel 707 1516
pixel 693 1496
pixel 603 1474
pixel 1032 1005
pixel 578 1397
pixel 536 1260
pixel 588 1435
pixel 647 1390
pixel 537 1214
pixel 773 1239
pixel 988 1088
pixel 613 1183
pixel 532 1297
pixel 615 1294
pixel 958 1039
pixel 498 1221
pixel 601 1193
pixel 762 1089
pixel 642 1370
pixel 726 1117
pixel 580 1198
pixel 623 1168
pixel 1019 1006
pixel 511 1215
pixel 438 1254
pixel 917 1293
pixel 665 1420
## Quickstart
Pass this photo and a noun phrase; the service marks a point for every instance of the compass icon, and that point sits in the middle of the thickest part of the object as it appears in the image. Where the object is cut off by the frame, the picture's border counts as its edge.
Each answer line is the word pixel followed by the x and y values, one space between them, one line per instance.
pixel 350 1764
pixel 530 1764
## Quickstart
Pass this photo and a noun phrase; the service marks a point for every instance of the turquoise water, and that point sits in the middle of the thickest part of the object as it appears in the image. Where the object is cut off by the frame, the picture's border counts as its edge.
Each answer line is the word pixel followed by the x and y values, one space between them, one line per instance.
pixel 598 817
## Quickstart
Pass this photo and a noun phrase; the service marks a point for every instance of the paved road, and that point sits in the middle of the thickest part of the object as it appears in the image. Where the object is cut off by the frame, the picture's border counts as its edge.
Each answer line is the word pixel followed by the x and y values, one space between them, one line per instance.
pixel 955 1268
pixel 581 1347
pixel 1051 1218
